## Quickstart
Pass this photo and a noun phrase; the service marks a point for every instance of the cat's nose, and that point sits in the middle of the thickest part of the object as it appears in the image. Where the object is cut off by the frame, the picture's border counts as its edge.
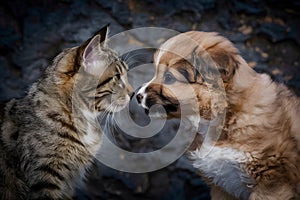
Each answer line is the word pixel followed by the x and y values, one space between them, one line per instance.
pixel 139 98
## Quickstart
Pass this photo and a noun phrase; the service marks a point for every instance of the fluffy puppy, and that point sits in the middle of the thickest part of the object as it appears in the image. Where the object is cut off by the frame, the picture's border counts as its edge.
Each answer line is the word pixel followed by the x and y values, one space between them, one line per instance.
pixel 257 152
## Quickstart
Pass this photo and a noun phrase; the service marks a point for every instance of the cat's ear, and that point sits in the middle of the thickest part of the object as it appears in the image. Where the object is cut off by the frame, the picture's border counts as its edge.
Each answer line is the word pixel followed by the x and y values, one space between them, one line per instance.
pixel 103 32
pixel 96 42
pixel 91 50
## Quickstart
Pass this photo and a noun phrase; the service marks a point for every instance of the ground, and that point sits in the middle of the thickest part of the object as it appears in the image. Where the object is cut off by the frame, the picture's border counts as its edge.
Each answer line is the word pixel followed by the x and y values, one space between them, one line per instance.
pixel 33 32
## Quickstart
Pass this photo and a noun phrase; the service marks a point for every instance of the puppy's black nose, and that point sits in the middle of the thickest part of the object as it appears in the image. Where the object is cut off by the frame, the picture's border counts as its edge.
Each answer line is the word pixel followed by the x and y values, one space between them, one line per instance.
pixel 139 98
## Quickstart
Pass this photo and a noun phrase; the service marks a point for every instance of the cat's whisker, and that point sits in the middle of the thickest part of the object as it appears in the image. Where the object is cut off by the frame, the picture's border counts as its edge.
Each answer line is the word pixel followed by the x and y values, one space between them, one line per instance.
pixel 107 115
pixel 107 126
pixel 126 57
pixel 105 112
pixel 130 56
pixel 113 121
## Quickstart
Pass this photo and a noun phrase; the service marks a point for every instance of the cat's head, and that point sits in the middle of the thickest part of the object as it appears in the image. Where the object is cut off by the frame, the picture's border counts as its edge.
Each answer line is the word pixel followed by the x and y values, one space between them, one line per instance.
pixel 91 76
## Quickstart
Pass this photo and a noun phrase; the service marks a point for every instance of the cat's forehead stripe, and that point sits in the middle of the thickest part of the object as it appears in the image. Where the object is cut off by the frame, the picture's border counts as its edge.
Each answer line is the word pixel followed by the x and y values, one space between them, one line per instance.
pixel 121 67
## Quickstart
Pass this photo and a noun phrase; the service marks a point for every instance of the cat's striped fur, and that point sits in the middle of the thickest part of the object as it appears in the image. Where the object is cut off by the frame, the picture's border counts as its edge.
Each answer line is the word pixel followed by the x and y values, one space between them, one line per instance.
pixel 49 137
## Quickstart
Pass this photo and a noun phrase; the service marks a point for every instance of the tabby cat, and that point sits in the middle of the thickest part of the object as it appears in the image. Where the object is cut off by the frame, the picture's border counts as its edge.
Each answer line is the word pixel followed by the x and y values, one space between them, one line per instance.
pixel 49 138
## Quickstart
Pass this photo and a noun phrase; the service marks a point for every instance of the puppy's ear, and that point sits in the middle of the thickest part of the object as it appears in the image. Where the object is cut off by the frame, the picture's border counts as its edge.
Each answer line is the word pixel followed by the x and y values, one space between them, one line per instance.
pixel 225 60
pixel 227 63
pixel 196 62
pixel 205 68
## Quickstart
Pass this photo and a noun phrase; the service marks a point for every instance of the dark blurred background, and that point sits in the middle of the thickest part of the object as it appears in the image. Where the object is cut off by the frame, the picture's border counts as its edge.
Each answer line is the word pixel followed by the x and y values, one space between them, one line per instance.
pixel 32 32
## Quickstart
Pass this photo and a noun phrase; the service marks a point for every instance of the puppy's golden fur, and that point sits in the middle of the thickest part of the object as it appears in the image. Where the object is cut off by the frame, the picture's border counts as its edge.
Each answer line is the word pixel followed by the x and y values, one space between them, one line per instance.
pixel 257 155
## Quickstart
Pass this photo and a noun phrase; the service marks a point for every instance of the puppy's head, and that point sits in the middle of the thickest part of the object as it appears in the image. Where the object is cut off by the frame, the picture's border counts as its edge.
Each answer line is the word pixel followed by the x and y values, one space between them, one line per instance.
pixel 192 69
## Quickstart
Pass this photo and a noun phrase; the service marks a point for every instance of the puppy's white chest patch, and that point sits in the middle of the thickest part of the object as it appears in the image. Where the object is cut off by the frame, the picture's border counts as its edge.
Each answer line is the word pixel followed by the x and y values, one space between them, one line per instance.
pixel 224 165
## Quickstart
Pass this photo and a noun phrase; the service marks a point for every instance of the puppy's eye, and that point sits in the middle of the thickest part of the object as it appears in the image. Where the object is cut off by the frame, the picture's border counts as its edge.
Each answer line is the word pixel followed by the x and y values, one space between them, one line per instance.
pixel 169 78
